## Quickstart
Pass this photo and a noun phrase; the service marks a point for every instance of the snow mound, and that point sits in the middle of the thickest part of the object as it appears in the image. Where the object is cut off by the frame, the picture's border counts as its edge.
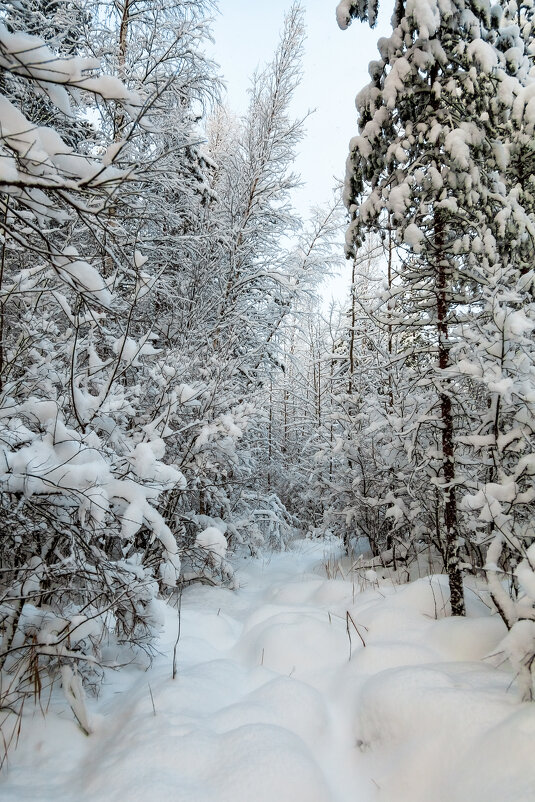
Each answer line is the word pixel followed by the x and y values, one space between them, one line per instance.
pixel 214 542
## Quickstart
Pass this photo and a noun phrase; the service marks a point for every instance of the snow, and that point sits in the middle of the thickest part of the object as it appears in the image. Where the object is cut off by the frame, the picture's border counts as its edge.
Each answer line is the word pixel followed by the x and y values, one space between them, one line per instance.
pixel 129 350
pixel 274 703
pixel 413 236
pixel 483 54
pixel 399 199
pixel 214 542
pixel 343 14
pixel 82 276
pixel 456 145
pixel 399 74
pixel 426 15
pixel 30 56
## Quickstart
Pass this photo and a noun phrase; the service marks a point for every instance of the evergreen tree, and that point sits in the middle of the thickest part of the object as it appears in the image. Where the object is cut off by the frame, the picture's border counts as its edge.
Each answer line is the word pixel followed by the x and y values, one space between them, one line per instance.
pixel 429 160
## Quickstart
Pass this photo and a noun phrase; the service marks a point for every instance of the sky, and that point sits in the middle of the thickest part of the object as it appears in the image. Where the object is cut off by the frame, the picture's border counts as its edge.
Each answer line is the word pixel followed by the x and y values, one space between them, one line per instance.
pixel 335 68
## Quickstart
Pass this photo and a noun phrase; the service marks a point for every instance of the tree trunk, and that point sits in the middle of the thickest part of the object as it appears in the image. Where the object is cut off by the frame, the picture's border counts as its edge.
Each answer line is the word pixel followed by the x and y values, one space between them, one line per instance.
pixel 451 529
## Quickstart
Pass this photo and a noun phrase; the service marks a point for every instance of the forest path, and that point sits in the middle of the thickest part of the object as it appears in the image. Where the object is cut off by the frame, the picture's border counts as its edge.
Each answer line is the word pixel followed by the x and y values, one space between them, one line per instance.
pixel 273 702
pixel 259 710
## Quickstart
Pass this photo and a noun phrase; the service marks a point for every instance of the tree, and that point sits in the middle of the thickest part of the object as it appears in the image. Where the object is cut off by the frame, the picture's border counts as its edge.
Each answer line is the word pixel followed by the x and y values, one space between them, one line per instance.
pixel 244 283
pixel 428 159
pixel 84 546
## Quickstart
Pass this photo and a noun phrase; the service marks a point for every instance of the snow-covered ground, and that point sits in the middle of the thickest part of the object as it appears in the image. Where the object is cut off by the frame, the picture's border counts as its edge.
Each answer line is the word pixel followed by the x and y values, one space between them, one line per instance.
pixel 274 702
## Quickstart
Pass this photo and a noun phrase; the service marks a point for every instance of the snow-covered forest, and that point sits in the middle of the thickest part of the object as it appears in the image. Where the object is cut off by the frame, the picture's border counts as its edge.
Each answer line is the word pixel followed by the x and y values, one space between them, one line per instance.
pixel 286 549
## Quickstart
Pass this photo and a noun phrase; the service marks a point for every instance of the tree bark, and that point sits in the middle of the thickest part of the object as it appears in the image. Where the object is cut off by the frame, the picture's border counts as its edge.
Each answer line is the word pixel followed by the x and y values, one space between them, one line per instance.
pixel 451 527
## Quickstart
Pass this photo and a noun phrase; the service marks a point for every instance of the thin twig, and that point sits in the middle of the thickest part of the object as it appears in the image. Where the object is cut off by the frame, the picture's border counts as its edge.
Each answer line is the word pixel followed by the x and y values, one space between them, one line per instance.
pixel 175 670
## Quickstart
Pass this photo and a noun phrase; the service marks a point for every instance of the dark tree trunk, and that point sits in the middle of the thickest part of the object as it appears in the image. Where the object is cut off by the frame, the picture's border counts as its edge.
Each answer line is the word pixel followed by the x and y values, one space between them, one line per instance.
pixel 451 528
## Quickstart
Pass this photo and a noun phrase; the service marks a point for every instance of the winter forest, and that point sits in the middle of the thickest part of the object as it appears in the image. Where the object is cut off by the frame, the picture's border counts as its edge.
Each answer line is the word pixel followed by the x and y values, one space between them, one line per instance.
pixel 255 545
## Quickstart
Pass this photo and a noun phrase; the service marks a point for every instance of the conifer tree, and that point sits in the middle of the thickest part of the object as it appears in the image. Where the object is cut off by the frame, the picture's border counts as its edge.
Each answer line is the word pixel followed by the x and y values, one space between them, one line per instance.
pixel 429 160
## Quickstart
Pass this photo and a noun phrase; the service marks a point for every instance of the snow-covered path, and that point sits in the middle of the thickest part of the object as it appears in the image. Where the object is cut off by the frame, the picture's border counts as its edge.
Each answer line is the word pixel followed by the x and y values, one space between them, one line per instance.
pixel 268 706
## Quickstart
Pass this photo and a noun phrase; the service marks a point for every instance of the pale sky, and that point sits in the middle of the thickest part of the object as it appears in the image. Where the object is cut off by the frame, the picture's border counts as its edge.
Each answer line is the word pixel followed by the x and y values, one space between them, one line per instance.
pixel 335 69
